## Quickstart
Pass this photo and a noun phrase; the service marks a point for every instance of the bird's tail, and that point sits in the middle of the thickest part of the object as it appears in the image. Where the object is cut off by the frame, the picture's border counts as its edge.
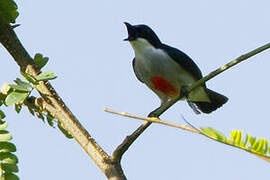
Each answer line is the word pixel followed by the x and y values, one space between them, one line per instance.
pixel 217 100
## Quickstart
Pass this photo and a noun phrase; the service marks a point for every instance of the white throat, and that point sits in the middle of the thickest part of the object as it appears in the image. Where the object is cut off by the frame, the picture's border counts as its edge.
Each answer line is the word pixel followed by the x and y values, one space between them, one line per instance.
pixel 144 50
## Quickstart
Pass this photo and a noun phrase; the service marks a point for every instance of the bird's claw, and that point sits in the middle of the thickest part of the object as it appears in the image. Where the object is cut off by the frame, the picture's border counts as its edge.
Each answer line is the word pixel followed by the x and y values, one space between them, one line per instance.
pixel 184 91
pixel 152 114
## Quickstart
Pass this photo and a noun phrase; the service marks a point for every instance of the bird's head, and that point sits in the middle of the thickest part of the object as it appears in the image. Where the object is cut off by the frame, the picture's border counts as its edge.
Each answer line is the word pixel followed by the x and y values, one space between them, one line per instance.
pixel 142 34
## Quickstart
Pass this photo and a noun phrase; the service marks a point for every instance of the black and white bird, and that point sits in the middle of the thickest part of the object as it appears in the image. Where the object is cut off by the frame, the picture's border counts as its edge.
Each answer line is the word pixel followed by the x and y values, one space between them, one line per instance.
pixel 168 71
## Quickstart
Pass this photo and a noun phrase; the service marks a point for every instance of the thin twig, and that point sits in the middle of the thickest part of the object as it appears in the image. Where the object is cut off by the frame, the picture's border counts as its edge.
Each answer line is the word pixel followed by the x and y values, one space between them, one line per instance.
pixel 123 147
pixel 153 120
pixel 188 127
pixel 228 65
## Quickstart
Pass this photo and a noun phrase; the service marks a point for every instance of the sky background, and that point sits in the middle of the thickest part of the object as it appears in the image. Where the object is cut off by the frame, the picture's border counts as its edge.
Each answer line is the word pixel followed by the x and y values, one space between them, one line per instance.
pixel 84 43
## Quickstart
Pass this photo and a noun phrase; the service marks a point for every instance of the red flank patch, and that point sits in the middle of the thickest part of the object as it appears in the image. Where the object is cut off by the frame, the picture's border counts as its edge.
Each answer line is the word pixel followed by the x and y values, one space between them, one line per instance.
pixel 161 84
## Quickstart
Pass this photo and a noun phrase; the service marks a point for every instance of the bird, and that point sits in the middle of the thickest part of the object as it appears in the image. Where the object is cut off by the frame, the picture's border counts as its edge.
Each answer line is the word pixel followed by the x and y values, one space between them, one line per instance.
pixel 168 72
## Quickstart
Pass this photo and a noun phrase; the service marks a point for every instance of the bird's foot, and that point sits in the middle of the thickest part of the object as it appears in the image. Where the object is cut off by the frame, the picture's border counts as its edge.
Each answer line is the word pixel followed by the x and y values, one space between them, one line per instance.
pixel 184 92
pixel 154 113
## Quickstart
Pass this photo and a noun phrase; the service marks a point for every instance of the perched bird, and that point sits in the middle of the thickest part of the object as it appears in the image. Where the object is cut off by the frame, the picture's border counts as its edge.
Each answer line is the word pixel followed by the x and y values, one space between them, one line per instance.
pixel 168 71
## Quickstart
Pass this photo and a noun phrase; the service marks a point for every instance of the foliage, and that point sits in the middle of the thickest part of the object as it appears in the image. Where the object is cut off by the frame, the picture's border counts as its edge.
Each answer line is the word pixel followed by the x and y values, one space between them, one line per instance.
pixel 254 145
pixel 43 76
pixel 9 10
pixel 19 94
pixel 8 160
pixel 40 61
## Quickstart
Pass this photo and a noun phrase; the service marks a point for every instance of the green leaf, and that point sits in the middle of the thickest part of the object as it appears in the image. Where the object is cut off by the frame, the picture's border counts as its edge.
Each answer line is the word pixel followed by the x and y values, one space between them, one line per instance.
pixel 31 111
pixel 253 142
pixel 40 61
pixel 238 138
pixel 15 97
pixel 3 125
pixel 5 136
pixel 18 108
pixel 245 144
pixel 254 145
pixel 214 134
pixel 266 145
pixel 7 147
pixel 10 176
pixel 261 144
pixel 5 89
pixel 19 88
pixel 9 167
pixel 38 57
pixel 64 131
pixel 2 115
pixel 23 83
pixel 40 116
pixel 29 77
pixel 9 10
pixel 45 61
pixel 45 76
pixel 9 158
pixel 51 120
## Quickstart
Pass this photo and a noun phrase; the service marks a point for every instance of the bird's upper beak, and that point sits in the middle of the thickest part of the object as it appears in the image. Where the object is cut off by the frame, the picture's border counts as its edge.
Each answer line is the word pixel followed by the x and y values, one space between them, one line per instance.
pixel 131 32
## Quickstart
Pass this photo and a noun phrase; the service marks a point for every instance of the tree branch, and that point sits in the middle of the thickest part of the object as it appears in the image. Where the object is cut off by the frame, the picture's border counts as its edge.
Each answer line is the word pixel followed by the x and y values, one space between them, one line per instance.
pixel 123 147
pixel 192 129
pixel 55 105
pixel 154 120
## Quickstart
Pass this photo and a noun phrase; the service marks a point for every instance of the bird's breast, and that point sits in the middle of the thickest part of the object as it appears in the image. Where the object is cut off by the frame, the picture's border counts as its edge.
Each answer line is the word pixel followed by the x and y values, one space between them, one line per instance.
pixel 155 68
pixel 164 86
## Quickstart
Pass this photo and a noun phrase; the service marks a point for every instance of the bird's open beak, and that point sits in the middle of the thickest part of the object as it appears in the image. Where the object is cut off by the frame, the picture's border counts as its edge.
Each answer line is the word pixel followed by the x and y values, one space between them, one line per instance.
pixel 131 32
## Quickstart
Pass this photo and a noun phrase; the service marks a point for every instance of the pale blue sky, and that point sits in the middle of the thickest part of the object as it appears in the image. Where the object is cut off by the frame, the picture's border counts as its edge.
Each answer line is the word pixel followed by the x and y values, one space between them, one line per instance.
pixel 84 41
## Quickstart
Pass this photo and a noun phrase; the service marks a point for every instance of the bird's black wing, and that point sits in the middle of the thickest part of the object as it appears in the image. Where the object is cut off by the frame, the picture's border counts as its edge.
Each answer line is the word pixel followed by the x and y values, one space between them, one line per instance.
pixel 183 60
pixel 133 65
